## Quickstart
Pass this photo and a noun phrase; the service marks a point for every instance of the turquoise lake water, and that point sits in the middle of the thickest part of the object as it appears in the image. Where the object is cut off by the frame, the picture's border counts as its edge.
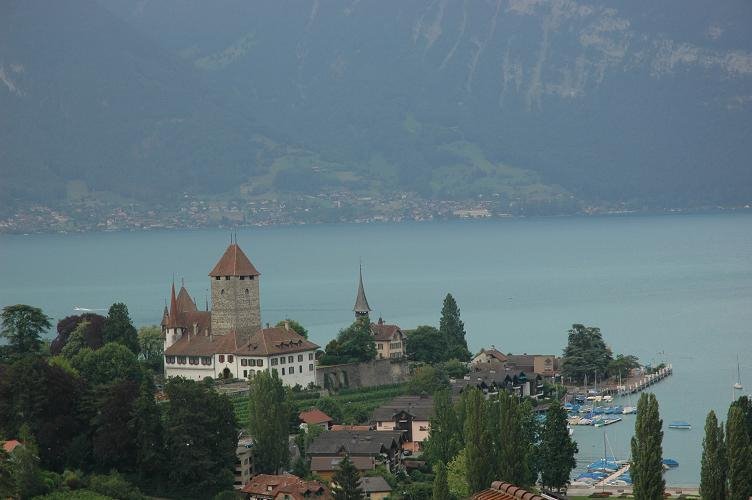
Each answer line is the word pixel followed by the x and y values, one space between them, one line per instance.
pixel 666 288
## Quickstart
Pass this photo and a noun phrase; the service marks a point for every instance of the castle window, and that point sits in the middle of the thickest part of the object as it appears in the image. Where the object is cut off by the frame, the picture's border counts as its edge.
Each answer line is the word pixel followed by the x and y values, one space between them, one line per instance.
pixel 300 358
pixel 227 278
pixel 290 359
pixel 245 373
pixel 274 362
pixel 170 359
pixel 229 358
pixel 246 291
pixel 181 360
pixel 243 362
pixel 292 370
pixel 221 358
pixel 206 360
pixel 310 356
pixel 242 278
pixel 380 347
pixel 259 362
pixel 192 360
pixel 217 278
pixel 222 292
pixel 310 367
pixel 283 371
pixel 252 277
pixel 282 360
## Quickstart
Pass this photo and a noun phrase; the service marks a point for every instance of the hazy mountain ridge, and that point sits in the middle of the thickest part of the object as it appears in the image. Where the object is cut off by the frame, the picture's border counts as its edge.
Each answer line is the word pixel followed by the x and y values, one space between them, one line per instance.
pixel 644 103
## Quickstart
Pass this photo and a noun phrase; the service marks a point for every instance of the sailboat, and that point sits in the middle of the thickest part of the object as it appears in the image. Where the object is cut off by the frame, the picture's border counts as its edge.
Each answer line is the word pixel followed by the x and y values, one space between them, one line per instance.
pixel 738 384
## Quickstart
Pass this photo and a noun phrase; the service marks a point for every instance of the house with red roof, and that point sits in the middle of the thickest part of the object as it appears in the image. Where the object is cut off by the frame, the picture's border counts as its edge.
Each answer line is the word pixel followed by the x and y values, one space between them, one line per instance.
pixel 284 487
pixel 314 416
pixel 10 445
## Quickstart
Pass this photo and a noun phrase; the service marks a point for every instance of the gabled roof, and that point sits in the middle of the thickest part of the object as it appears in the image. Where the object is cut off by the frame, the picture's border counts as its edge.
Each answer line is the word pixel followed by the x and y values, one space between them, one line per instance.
pixel 267 485
pixel 319 464
pixel 355 443
pixel 234 263
pixel 384 332
pixel 505 491
pixel 419 407
pixel 11 445
pixel 494 353
pixel 266 342
pixel 314 416
pixel 361 303
pixel 376 484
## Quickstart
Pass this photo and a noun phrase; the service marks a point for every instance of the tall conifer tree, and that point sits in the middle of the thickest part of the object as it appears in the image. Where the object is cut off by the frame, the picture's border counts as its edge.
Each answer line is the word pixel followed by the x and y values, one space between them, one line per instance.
pixel 119 328
pixel 268 421
pixel 713 469
pixel 647 450
pixel 512 445
pixel 440 483
pixel 346 481
pixel 453 329
pixel 477 445
pixel 739 455
pixel 443 441
pixel 557 449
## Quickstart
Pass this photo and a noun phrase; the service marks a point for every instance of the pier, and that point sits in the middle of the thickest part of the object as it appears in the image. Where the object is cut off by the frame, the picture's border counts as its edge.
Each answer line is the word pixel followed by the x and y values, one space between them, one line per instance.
pixel 613 476
pixel 645 381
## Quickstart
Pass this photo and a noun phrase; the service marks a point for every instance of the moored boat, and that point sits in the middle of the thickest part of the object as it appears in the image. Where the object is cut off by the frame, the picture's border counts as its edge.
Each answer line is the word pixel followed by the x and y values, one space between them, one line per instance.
pixel 680 424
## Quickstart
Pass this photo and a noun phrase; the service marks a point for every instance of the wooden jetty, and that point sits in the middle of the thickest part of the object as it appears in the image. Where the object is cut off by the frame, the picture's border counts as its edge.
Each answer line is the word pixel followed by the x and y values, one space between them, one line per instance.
pixel 613 476
pixel 646 381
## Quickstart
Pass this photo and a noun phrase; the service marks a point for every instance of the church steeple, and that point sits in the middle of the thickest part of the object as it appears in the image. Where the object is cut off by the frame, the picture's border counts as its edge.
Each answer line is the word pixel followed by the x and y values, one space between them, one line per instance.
pixel 361 303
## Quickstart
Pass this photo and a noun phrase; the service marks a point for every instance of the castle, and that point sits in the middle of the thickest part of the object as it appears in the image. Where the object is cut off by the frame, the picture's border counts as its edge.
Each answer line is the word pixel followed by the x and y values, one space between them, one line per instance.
pixel 228 340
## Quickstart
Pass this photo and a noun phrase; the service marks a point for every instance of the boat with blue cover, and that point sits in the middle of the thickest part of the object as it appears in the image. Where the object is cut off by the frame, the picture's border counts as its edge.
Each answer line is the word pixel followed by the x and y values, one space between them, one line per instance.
pixel 680 424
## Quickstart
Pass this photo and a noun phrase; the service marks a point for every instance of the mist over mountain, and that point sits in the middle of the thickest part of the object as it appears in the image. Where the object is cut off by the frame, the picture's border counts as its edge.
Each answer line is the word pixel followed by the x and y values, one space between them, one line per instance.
pixel 559 102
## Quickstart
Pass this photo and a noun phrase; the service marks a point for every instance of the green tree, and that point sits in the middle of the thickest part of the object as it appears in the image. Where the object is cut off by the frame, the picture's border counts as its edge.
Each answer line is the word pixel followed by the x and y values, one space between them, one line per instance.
pixel 745 403
pixel 201 435
pixel 440 483
pixel 739 455
pixel 532 431
pixel 557 449
pixel 294 326
pixel 443 441
pixel 146 426
pixel 353 344
pixel 76 341
pixel 346 481
pixel 426 344
pixel 511 443
pixel 647 450
pixel 455 368
pixel 113 362
pixel 23 326
pixel 331 407
pixel 151 347
pixel 268 422
pixel 586 354
pixel 477 445
pixel 457 476
pixel 428 379
pixel 453 330
pixel 622 365
pixel 119 328
pixel 713 469
pixel 48 400
pixel 7 480
pixel 113 442
pixel 113 485
pixel 26 472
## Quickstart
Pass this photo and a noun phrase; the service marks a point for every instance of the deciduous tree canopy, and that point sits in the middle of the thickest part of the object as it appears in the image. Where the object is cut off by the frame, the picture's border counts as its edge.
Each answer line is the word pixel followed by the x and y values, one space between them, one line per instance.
pixel 586 354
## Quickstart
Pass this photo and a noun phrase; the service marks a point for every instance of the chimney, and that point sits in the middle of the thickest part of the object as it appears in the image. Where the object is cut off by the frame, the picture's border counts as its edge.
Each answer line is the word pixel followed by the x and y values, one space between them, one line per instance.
pixel 267 325
pixel 287 325
pixel 195 328
pixel 211 337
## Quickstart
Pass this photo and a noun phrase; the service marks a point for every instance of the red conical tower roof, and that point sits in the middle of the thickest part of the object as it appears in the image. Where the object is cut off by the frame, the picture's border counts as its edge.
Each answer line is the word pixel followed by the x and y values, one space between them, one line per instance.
pixel 173 320
pixel 234 263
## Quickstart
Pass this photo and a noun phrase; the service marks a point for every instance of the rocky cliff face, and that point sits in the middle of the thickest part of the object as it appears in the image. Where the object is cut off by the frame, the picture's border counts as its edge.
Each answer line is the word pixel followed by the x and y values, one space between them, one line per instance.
pixel 637 101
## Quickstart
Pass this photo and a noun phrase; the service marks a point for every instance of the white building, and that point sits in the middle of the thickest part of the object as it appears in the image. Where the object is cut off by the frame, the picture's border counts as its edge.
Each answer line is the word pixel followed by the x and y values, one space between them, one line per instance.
pixel 195 350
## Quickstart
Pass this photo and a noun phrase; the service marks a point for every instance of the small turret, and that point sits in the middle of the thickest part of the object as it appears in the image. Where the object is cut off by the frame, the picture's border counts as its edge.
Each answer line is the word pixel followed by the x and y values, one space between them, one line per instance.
pixel 361 303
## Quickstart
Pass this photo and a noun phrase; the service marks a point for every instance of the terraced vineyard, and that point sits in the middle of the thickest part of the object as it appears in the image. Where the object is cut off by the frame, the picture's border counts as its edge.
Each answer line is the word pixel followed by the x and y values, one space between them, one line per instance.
pixel 357 404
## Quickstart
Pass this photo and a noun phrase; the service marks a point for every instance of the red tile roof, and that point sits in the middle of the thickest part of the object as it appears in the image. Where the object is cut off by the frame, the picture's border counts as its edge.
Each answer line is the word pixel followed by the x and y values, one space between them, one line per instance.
pixel 11 445
pixel 234 263
pixel 268 486
pixel 267 342
pixel 185 302
pixel 505 491
pixel 314 416
pixel 384 332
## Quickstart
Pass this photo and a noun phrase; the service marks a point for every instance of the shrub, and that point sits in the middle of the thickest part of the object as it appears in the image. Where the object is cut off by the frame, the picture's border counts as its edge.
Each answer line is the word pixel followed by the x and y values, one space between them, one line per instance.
pixel 115 486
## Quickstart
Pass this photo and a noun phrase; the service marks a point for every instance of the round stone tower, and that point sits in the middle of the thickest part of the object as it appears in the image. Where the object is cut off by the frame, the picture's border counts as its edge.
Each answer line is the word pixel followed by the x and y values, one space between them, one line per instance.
pixel 235 294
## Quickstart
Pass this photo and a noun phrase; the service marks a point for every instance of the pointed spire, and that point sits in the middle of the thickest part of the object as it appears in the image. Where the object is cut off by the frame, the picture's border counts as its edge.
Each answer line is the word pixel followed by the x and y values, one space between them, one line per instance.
pixel 234 262
pixel 361 303
pixel 173 320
